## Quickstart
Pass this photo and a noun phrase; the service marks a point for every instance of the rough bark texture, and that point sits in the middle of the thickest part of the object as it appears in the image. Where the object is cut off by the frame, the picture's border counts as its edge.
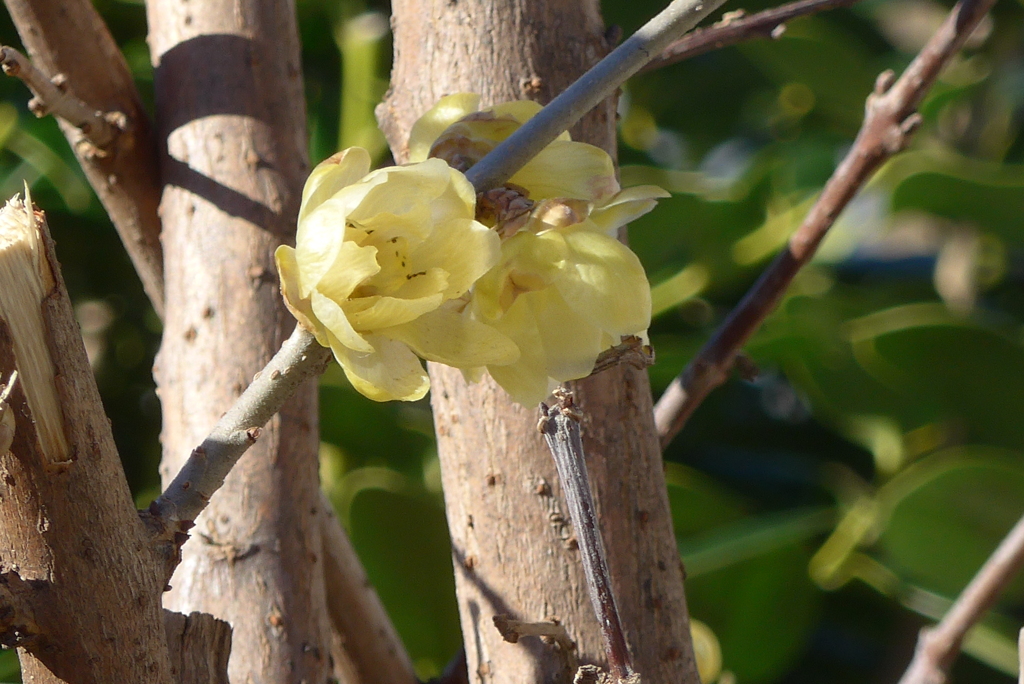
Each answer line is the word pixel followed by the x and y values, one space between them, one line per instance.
pixel 508 522
pixel 68 525
pixel 199 647
pixel 231 116
pixel 68 37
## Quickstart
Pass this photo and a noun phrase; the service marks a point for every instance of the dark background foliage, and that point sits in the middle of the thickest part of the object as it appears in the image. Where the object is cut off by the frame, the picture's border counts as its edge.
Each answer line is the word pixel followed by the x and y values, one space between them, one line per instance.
pixel 826 510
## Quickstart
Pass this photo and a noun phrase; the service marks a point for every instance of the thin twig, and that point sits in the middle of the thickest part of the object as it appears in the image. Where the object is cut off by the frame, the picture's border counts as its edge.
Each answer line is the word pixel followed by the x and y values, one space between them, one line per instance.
pixel 513 630
pixel 588 91
pixel 560 426
pixel 300 358
pixel 938 647
pixel 52 97
pixel 890 119
pixel 737 28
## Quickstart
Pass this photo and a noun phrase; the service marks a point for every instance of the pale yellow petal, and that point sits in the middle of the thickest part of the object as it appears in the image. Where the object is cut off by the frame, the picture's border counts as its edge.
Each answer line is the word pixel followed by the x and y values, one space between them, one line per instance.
pixel 373 313
pixel 528 263
pixel 626 206
pixel 391 372
pixel 353 265
pixel 331 175
pixel 455 339
pixel 570 341
pixel 431 125
pixel 526 380
pixel 603 281
pixel 333 318
pixel 569 169
pixel 522 111
pixel 463 248
pixel 412 200
pixel 288 271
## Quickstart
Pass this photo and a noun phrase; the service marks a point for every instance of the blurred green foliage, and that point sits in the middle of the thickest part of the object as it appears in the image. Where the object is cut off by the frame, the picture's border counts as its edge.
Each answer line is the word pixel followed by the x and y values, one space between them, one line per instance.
pixel 826 510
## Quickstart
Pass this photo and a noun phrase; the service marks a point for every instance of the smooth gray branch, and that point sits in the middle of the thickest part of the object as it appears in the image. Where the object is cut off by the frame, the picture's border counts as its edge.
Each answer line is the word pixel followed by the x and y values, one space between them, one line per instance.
pixel 889 121
pixel 587 92
pixel 52 97
pixel 300 358
pixel 560 425
pixel 938 647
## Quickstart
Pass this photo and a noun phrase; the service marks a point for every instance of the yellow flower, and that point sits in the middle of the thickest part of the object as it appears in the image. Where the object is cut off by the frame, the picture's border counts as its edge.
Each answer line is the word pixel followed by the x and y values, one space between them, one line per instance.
pixel 565 289
pixel 379 269
pixel 454 130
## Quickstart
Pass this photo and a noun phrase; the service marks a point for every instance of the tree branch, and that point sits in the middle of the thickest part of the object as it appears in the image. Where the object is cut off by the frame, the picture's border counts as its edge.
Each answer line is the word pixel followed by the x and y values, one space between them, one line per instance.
pixel 370 640
pixel 590 89
pixel 737 28
pixel 938 647
pixel 889 121
pixel 300 358
pixel 52 97
pixel 100 113
pixel 560 426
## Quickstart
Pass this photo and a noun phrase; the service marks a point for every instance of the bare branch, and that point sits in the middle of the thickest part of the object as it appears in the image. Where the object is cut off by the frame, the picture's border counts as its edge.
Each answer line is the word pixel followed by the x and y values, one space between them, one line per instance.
pixel 370 639
pixel 17 617
pixel 889 121
pixel 938 647
pixel 735 27
pixel 560 426
pixel 102 117
pixel 52 97
pixel 591 88
pixel 300 358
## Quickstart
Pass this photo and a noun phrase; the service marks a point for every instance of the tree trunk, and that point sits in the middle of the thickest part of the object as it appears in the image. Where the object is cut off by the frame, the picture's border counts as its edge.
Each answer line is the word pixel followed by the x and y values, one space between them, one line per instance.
pixel 231 116
pixel 68 526
pixel 512 546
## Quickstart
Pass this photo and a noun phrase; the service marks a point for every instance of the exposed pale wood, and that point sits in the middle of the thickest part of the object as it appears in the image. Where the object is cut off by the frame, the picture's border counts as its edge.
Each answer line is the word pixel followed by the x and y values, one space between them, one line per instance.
pixel 229 92
pixel 199 646
pixel 511 540
pixel 68 525
pixel 370 641
pixel 68 37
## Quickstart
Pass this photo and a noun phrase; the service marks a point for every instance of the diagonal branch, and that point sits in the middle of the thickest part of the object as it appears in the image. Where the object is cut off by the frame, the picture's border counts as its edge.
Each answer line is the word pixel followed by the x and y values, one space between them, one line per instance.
pixel 890 119
pixel 52 97
pixel 735 27
pixel 71 46
pixel 938 647
pixel 560 426
pixel 602 80
pixel 300 358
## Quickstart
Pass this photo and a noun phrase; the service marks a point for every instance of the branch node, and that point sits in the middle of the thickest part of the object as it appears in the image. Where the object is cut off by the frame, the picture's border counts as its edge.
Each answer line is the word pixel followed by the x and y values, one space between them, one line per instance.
pixel 884 81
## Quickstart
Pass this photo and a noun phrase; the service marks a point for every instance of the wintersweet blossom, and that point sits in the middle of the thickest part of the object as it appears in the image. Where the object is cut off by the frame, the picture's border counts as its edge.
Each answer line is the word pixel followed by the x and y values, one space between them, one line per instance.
pixel 564 289
pixel 381 265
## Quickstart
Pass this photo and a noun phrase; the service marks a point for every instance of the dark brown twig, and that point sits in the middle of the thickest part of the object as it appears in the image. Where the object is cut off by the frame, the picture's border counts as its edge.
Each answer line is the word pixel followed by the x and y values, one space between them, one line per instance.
pixel 890 119
pixel 52 97
pixel 938 646
pixel 560 426
pixel 737 28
